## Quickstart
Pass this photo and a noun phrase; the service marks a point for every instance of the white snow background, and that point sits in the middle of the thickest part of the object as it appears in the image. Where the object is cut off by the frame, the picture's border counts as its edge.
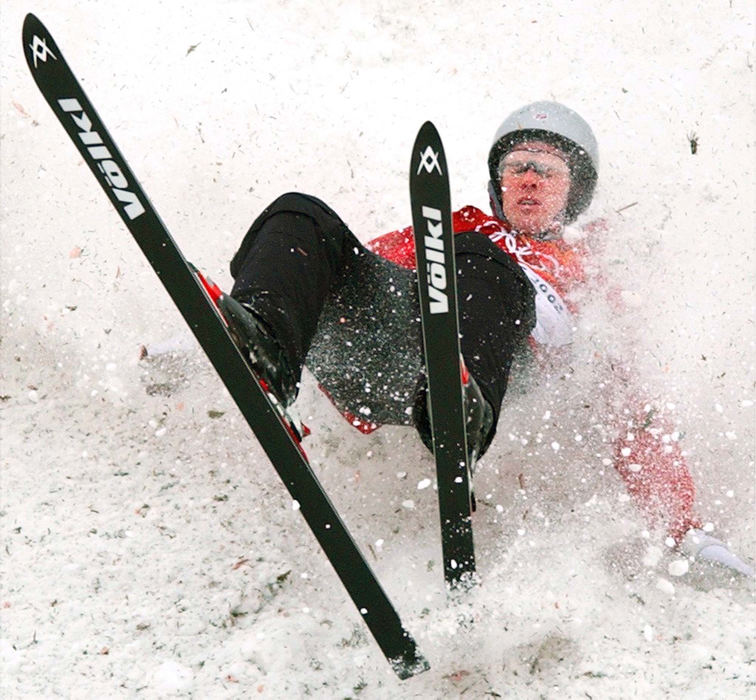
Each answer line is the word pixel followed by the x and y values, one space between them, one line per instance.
pixel 148 547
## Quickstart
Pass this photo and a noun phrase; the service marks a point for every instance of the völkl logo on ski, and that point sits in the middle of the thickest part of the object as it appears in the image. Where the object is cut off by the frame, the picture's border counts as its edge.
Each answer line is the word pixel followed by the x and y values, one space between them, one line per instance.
pixel 40 51
pixel 435 264
pixel 102 158
pixel 429 161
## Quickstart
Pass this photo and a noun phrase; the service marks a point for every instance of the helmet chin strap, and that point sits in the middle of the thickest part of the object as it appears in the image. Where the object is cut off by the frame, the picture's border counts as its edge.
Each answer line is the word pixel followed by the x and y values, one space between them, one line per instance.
pixel 553 233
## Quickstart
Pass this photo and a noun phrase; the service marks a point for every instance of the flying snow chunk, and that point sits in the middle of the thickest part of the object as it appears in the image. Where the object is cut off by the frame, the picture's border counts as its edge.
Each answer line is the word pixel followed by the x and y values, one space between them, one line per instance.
pixel 172 677
pixel 423 484
pixel 665 586
pixel 409 504
pixel 652 556
pixel 679 567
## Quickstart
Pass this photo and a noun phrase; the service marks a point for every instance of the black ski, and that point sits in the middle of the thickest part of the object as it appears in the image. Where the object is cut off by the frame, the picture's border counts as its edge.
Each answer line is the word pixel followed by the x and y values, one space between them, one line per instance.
pixel 77 116
pixel 437 284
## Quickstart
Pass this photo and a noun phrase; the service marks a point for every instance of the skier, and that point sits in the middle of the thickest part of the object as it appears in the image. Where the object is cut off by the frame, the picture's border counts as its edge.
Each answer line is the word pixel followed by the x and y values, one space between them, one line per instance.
pixel 307 291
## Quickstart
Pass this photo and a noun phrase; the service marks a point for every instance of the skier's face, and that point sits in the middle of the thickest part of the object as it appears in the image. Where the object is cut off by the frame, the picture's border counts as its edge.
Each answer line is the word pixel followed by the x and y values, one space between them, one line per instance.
pixel 535 183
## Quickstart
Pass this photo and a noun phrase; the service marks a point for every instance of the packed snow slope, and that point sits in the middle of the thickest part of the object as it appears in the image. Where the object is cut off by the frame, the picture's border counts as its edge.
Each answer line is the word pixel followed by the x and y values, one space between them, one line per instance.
pixel 148 547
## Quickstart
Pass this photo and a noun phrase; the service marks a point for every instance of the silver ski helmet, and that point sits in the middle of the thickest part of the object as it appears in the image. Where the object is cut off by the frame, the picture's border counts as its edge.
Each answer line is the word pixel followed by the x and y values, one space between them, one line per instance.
pixel 559 126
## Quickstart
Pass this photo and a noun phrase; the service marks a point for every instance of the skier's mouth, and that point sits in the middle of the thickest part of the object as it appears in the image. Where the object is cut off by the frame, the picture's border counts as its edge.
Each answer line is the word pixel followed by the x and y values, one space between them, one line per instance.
pixel 528 202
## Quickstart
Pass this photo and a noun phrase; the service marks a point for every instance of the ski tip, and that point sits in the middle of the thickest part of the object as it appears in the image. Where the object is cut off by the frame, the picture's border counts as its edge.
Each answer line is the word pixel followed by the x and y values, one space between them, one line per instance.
pixel 37 43
pixel 428 129
pixel 31 24
pixel 428 153
pixel 428 136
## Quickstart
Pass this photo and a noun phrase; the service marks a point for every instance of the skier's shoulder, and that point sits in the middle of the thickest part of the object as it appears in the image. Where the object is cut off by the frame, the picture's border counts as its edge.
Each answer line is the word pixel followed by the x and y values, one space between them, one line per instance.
pixel 470 218
pixel 398 246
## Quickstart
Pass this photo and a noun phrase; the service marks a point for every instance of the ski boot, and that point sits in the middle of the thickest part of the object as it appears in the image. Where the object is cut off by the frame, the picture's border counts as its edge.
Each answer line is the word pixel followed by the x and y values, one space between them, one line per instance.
pixel 266 357
pixel 479 419
pixel 479 425
pixel 478 422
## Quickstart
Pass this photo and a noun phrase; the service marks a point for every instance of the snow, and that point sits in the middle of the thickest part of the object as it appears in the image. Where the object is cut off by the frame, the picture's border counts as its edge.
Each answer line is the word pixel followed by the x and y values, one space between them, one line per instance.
pixel 149 549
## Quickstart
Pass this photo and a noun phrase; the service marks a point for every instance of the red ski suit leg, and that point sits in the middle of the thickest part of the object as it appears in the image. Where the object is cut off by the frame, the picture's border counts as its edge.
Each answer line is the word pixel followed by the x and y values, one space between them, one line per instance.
pixel 656 475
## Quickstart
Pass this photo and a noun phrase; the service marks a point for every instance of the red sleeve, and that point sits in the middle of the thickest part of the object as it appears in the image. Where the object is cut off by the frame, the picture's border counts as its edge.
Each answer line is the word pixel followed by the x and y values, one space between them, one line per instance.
pixel 397 246
pixel 650 461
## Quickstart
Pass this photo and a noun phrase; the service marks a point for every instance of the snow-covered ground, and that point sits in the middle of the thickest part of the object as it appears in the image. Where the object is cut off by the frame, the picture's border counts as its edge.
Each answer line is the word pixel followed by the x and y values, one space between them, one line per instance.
pixel 148 547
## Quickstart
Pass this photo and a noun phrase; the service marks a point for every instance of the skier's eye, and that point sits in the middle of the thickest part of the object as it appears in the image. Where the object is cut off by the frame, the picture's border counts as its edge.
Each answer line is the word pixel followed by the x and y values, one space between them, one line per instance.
pixel 522 168
pixel 516 168
pixel 545 165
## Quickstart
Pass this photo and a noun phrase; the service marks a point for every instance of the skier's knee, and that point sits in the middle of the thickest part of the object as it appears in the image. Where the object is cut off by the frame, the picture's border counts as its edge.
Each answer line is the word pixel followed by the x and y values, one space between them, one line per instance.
pixel 291 212
pixel 305 204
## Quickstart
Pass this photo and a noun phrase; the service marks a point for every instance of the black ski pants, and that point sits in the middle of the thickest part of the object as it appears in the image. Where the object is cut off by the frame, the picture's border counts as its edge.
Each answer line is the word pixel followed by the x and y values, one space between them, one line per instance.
pixel 353 317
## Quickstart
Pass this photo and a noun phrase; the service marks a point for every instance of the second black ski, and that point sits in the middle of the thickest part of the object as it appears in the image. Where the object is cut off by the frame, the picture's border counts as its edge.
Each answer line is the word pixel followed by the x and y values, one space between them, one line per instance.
pixel 437 286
